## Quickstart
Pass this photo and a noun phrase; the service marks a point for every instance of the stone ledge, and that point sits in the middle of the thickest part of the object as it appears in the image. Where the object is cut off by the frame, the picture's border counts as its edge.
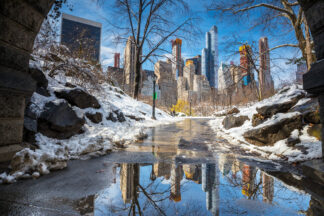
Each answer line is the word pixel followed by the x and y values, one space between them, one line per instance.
pixel 314 78
pixel 7 152
pixel 314 169
pixel 11 131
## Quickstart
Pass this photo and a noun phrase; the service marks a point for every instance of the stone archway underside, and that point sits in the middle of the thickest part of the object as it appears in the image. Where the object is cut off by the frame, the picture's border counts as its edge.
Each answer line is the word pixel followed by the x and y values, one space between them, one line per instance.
pixel 20 21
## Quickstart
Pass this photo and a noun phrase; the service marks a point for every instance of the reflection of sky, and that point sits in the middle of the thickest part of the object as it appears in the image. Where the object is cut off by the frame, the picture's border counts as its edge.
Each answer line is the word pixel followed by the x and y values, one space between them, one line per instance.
pixel 227 28
pixel 193 199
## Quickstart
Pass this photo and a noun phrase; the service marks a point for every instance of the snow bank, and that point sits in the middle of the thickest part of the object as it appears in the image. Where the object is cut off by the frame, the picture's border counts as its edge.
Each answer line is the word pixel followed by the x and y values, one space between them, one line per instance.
pixel 97 138
pixel 309 148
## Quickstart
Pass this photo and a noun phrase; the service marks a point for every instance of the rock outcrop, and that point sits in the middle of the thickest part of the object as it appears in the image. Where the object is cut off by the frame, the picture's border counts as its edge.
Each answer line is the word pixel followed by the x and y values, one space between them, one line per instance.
pixel 115 116
pixel 59 120
pixel 41 81
pixel 270 134
pixel 309 111
pixel 78 97
pixel 270 110
pixel 233 121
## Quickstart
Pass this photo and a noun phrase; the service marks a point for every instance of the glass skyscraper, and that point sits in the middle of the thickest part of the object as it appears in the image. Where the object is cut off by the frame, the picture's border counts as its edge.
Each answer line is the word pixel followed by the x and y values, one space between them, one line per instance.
pixel 209 58
pixel 81 36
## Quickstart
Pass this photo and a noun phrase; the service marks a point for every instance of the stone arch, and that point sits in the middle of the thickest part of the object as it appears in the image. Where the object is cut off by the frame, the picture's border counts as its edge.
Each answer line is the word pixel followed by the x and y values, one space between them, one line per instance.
pixel 314 78
pixel 20 21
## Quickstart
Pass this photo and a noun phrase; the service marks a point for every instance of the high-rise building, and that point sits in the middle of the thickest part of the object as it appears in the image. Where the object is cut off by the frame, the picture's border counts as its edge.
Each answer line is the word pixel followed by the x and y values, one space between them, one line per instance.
pixel 301 69
pixel 225 81
pixel 265 80
pixel 177 63
pixel 197 62
pixel 209 58
pixel 117 60
pixel 245 64
pixel 267 188
pixel 129 65
pixel 81 36
pixel 176 177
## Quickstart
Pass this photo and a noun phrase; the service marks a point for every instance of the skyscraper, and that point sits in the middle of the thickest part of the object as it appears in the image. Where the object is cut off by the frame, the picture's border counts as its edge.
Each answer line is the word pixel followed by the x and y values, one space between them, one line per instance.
pixel 245 64
pixel 129 64
pixel 117 60
pixel 81 36
pixel 265 79
pixel 177 65
pixel 209 64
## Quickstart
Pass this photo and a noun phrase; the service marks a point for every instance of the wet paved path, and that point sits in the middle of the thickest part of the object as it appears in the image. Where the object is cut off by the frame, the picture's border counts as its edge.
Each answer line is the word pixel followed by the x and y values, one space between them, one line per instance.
pixel 172 172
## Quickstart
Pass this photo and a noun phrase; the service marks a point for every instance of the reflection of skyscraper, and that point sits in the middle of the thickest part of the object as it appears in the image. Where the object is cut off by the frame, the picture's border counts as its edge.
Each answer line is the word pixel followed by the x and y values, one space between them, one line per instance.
pixel 210 184
pixel 209 57
pixel 162 169
pixel 267 185
pixel 129 179
pixel 249 173
pixel 224 164
pixel 176 177
pixel 193 172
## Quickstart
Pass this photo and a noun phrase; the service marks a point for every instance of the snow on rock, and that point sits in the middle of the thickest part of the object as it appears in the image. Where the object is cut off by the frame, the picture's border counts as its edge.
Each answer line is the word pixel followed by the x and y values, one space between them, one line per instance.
pixel 308 147
pixel 100 138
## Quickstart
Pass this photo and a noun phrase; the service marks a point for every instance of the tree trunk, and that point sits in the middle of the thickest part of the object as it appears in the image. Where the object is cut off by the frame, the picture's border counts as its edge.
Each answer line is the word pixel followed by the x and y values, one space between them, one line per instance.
pixel 137 75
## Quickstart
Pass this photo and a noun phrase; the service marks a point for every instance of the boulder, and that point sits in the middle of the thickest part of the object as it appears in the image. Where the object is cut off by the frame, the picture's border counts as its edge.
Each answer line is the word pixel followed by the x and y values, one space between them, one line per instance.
pixel 234 110
pixel 115 116
pixel 292 141
pixel 270 134
pixel 270 110
pixel 309 111
pixel 120 115
pixel 233 121
pixel 111 117
pixel 95 118
pixel 39 77
pixel 30 129
pixel 59 120
pixel 257 119
pixel 79 98
pixel 69 85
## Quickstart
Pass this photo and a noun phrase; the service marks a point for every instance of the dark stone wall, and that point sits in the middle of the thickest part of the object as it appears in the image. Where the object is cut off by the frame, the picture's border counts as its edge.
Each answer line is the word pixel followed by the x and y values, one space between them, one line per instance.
pixel 20 21
pixel 314 78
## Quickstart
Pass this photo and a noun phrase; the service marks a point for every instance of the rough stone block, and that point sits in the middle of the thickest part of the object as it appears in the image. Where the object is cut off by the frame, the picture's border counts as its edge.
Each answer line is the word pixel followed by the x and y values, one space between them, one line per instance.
pixel 12 106
pixel 16 80
pixel 28 15
pixel 13 57
pixel 42 6
pixel 313 80
pixel 7 152
pixel 16 34
pixel 11 131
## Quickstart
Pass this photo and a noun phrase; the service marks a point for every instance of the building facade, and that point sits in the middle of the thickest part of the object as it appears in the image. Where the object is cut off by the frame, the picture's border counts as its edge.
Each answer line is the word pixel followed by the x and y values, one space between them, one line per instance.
pixel 225 82
pixel 245 64
pixel 81 36
pixel 197 62
pixel 209 58
pixel 117 60
pixel 266 83
pixel 177 63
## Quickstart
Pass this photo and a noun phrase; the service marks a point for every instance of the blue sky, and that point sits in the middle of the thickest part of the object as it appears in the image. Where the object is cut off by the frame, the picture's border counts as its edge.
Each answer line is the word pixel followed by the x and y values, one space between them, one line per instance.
pixel 226 29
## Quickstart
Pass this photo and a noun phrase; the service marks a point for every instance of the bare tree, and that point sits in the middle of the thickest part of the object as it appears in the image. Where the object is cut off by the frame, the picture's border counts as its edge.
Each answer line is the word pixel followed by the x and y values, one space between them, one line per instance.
pixel 274 13
pixel 150 23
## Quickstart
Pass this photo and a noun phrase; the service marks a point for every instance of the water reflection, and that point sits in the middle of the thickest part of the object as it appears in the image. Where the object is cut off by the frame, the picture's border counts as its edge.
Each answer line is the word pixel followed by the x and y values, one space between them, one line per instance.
pixel 227 187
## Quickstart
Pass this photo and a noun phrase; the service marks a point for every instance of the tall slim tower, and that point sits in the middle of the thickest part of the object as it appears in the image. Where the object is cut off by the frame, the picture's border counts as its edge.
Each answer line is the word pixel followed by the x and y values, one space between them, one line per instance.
pixel 117 60
pixel 209 64
pixel 265 79
pixel 245 64
pixel 177 65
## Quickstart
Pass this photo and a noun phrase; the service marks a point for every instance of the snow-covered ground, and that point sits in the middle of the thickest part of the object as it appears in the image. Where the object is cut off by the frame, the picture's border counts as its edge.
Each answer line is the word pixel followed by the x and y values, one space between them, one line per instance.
pixel 96 139
pixel 280 150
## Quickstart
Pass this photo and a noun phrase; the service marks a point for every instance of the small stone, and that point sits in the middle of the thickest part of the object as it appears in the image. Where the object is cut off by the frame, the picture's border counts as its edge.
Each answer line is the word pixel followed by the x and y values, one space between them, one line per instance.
pixel 95 118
